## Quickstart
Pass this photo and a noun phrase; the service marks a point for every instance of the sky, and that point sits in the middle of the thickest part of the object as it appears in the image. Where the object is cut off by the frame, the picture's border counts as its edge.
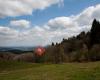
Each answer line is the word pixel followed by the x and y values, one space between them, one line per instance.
pixel 41 22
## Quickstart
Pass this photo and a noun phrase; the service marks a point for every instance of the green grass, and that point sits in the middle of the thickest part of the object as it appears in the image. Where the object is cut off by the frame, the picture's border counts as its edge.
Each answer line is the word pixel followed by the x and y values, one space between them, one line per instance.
pixel 69 71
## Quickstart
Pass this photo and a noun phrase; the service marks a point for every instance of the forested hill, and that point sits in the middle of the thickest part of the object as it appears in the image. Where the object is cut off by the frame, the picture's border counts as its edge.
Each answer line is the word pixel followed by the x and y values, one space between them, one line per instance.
pixel 83 47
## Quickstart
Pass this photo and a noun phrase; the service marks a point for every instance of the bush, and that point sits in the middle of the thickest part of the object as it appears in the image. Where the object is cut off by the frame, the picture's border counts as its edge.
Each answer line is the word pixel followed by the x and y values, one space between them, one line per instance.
pixel 94 53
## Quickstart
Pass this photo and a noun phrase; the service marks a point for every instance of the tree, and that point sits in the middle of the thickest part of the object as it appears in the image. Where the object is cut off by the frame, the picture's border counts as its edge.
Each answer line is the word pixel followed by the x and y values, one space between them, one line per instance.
pixel 53 44
pixel 95 33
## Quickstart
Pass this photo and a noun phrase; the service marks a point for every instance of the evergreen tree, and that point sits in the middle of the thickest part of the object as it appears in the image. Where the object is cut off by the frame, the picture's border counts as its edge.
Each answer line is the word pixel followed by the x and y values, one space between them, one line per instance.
pixel 53 44
pixel 95 33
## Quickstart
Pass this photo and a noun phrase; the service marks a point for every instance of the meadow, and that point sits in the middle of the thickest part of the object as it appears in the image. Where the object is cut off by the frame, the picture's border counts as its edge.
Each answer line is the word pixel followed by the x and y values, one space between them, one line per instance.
pixel 10 70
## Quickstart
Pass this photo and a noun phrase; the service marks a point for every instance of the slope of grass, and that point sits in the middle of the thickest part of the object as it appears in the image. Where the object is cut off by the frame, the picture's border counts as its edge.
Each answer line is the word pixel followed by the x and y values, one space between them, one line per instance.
pixel 69 71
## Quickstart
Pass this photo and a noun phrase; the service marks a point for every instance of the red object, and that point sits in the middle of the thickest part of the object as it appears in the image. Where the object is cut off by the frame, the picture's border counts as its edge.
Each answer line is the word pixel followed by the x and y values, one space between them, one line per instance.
pixel 39 51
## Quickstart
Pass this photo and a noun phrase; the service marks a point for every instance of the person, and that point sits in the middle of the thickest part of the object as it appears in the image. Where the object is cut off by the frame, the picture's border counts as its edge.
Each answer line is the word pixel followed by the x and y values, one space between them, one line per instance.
pixel 39 54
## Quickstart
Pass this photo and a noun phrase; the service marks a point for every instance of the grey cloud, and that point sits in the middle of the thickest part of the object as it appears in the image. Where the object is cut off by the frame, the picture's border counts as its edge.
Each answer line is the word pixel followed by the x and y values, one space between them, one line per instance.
pixel 20 24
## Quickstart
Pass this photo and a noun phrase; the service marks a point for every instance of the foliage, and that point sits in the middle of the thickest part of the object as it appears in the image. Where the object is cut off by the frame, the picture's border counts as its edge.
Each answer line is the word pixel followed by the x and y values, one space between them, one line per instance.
pixel 83 47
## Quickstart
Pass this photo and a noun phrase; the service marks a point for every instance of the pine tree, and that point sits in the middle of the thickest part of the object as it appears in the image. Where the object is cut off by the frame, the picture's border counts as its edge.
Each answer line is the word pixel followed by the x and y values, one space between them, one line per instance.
pixel 95 33
pixel 53 44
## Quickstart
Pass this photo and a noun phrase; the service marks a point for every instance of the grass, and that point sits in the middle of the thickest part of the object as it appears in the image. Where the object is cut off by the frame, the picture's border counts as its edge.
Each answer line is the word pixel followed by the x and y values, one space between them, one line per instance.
pixel 30 71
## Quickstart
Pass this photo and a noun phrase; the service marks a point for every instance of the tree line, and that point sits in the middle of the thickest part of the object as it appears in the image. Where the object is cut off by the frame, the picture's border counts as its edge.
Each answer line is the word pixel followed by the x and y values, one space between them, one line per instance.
pixel 81 48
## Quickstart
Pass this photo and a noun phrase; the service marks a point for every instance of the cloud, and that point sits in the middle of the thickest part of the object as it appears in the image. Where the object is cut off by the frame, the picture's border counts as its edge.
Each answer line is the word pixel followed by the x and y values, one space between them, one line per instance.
pixel 61 3
pixel 86 17
pixel 61 23
pixel 20 24
pixel 53 31
pixel 7 35
pixel 23 7
pixel 6 31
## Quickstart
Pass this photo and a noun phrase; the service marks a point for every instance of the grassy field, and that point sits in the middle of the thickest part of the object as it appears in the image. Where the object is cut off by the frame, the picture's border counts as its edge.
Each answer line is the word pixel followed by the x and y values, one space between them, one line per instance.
pixel 68 71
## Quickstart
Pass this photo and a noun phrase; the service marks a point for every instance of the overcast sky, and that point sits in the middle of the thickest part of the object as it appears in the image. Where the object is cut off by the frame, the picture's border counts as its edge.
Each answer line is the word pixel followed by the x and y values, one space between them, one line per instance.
pixel 41 22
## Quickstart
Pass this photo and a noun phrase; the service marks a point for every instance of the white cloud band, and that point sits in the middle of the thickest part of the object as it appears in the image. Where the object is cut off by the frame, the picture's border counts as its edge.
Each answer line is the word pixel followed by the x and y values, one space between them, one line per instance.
pixel 23 7
pixel 53 31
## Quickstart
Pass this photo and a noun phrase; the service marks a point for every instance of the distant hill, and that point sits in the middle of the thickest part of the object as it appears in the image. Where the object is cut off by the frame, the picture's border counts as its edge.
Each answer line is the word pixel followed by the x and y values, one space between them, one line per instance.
pixel 16 50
